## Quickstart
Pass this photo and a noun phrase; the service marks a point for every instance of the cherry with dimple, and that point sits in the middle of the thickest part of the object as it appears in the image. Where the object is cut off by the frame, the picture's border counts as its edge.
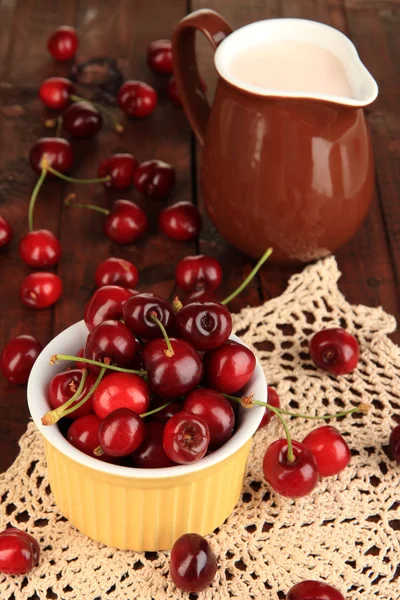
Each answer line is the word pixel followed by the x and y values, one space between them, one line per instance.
pixel 116 271
pixel 329 449
pixel 193 564
pixel 40 290
pixel 82 120
pixel 335 350
pixel 394 443
pixel 186 438
pixel 137 99
pixel 63 43
pixel 216 412
pixel 18 357
pixel 58 152
pixel 291 479
pixel 313 590
pixel 121 390
pixel 40 248
pixel 19 552
pixel 205 325
pixel 181 221
pixel 6 232
pixel 138 313
pixel 154 178
pixel 64 385
pixel 110 342
pixel 159 56
pixel 55 92
pixel 273 399
pixel 229 367
pixel 106 303
pixel 121 169
pixel 121 432
pixel 198 273
pixel 151 453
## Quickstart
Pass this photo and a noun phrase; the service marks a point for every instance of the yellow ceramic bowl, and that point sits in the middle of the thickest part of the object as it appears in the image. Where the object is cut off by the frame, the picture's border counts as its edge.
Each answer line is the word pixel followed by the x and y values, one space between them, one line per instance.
pixel 139 509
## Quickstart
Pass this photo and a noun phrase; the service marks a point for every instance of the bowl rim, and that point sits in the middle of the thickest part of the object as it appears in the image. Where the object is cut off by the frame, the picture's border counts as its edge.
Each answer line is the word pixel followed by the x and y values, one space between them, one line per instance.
pixel 40 377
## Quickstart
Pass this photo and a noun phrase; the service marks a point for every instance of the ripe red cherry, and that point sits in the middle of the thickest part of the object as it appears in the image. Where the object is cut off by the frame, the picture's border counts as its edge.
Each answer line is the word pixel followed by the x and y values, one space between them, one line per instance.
pixel 166 413
pixel 137 314
pixel 18 554
pixel 313 590
pixel 28 537
pixel 273 399
pixel 58 152
pixel 193 563
pixel 137 99
pixel 173 92
pixel 159 56
pixel 55 92
pixel 125 223
pixel 229 367
pixel 116 271
pixel 121 168
pixel 41 290
pixel 205 325
pixel 106 303
pixel 40 248
pixel 329 449
pixel 186 438
pixel 198 273
pixel 63 43
pixel 155 179
pixel 172 376
pixel 121 390
pixel 18 357
pixel 6 232
pixel 180 221
pixel 216 412
pixel 121 432
pixel 82 120
pixel 295 479
pixel 110 342
pixel 64 385
pixel 83 434
pixel 394 443
pixel 151 454
pixel 335 350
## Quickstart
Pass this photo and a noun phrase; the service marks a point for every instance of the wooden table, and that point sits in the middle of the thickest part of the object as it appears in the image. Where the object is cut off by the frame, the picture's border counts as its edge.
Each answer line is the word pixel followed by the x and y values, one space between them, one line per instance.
pixel 121 30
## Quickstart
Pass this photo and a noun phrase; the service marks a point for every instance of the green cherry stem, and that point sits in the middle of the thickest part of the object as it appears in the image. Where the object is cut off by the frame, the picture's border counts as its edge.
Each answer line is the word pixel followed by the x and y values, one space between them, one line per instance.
pixel 88 395
pixel 69 202
pixel 75 179
pixel 254 271
pixel 59 126
pixel 117 126
pixel 155 410
pixel 57 357
pixel 52 416
pixel 35 193
pixel 170 351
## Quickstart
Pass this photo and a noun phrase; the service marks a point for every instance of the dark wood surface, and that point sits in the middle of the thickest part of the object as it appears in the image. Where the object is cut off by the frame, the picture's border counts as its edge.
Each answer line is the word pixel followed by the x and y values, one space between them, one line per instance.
pixel 121 30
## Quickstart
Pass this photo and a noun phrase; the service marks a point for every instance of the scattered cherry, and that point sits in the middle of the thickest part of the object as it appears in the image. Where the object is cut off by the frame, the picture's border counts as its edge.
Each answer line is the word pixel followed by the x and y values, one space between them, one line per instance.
pixel 154 178
pixel 335 350
pixel 18 357
pixel 181 221
pixel 125 223
pixel 193 563
pixel 106 303
pixel 186 438
pixel 41 289
pixel 82 120
pixel 40 248
pixel 137 314
pixel 137 99
pixel 313 590
pixel 19 552
pixel 273 399
pixel 64 385
pixel 229 367
pixel 58 152
pixel 173 92
pixel 121 168
pixel 6 232
pixel 151 454
pixel 166 413
pixel 329 450
pixel 295 479
pixel 28 537
pixel 121 390
pixel 198 273
pixel 159 56
pixel 394 443
pixel 121 432
pixel 55 92
pixel 63 43
pixel 216 412
pixel 110 342
pixel 116 271
pixel 205 325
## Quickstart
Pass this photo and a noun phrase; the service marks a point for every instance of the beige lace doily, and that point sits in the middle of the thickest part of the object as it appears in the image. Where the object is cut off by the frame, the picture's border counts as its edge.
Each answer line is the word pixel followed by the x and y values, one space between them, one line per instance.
pixel 345 532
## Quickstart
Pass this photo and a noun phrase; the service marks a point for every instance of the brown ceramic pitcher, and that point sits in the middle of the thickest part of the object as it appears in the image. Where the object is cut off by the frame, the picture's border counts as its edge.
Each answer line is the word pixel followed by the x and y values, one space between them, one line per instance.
pixel 285 169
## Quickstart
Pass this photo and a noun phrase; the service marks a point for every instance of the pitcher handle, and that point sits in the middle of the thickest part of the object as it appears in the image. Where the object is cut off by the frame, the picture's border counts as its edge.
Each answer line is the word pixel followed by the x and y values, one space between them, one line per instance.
pixel 194 101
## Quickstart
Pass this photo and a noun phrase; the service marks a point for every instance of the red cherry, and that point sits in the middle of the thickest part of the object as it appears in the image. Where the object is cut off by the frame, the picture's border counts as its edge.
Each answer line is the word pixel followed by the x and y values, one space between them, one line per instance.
pixel 216 412
pixel 180 221
pixel 155 179
pixel 335 350
pixel 173 92
pixel 116 271
pixel 137 314
pixel 121 432
pixel 229 367
pixel 121 390
pixel 295 479
pixel 329 449
pixel 110 342
pixel 106 303
pixel 137 99
pixel 205 325
pixel 166 413
pixel 273 399
pixel 125 223
pixel 17 554
pixel 313 590
pixel 198 272
pixel 78 363
pixel 18 357
pixel 58 152
pixel 121 168
pixel 394 443
pixel 193 563
pixel 186 438
pixel 63 43
pixel 28 537
pixel 159 56
pixel 64 385
pixel 82 120
pixel 55 92
pixel 40 248
pixel 6 232
pixel 83 434
pixel 151 454
pixel 41 290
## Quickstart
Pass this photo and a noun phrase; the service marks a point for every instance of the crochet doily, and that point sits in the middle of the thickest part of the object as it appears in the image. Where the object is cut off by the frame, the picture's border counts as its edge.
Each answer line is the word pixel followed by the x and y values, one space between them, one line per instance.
pixel 346 532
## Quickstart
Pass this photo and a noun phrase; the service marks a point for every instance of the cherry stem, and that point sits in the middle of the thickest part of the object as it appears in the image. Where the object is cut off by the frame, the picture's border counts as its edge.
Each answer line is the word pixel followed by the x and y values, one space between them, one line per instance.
pixel 59 126
pixel 69 202
pixel 35 193
pixel 88 395
pixel 170 351
pixel 76 180
pixel 56 357
pixel 250 276
pixel 52 416
pixel 98 451
pixel 155 410
pixel 117 126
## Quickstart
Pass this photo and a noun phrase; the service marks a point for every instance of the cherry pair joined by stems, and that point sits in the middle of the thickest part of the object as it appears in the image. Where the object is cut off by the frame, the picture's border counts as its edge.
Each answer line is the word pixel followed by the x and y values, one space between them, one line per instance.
pixel 159 56
pixel 19 552
pixel 181 221
pixel 272 399
pixel 6 232
pixel 18 357
pixel 193 564
pixel 58 154
pixel 137 99
pixel 63 43
pixel 116 271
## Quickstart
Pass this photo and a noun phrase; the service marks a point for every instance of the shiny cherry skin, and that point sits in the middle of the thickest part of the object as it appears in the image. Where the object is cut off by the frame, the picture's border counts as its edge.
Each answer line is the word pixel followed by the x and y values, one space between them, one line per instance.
pixel 55 92
pixel 159 56
pixel 201 296
pixel 193 564
pixel 273 399
pixel 186 438
pixel 63 43
pixel 205 325
pixel 78 364
pixel 154 179
pixel 125 223
pixel 82 120
pixel 116 271
pixel 313 590
pixel 121 168
pixel 216 412
pixel 295 479
pixel 394 443
pixel 329 449
pixel 41 290
pixel 106 303
pixel 28 537
pixel 18 357
pixel 172 376
pixel 6 232
pixel 110 342
pixel 83 433
pixel 173 92
pixel 64 385
pixel 137 314
pixel 151 454
pixel 58 152
pixel 137 99
pixel 40 248
pixel 166 413
pixel 181 221
pixel 121 390
pixel 229 367
pixel 121 432
pixel 18 555
pixel 198 273
pixel 335 350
